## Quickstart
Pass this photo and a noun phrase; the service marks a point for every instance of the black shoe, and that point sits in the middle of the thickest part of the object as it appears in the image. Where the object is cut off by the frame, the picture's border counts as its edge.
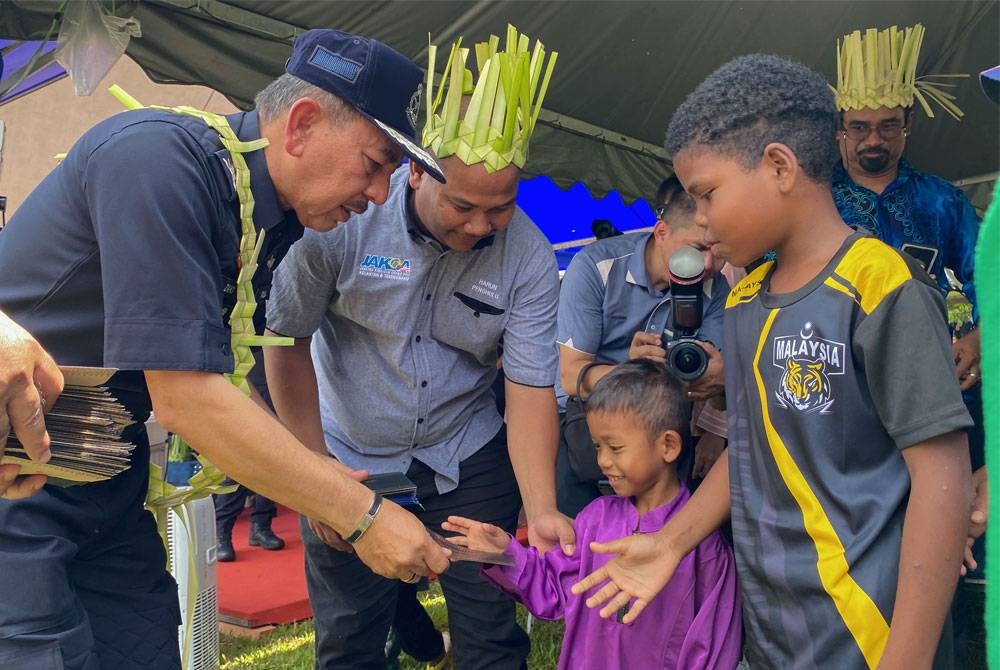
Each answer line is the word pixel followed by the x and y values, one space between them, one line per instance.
pixel 224 552
pixel 262 536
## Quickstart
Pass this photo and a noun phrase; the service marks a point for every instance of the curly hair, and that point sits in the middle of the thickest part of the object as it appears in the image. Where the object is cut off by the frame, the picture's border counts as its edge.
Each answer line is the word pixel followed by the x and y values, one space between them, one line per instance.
pixel 647 390
pixel 755 100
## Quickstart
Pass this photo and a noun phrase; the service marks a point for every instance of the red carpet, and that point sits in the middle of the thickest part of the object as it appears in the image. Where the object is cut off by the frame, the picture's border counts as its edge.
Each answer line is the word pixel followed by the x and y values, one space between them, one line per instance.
pixel 269 587
pixel 264 587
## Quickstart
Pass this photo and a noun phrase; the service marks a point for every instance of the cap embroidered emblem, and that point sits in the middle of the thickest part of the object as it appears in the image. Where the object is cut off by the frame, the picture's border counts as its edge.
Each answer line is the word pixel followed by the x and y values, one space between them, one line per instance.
pixel 413 108
pixel 336 64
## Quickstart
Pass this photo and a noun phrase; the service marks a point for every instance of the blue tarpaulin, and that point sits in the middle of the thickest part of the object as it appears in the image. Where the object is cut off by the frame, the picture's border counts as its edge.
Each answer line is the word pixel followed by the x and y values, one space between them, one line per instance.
pixel 15 55
pixel 567 215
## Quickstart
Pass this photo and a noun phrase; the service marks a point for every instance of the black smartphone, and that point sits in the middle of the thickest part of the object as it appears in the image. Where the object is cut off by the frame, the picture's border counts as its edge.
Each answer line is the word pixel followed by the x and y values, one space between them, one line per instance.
pixel 925 255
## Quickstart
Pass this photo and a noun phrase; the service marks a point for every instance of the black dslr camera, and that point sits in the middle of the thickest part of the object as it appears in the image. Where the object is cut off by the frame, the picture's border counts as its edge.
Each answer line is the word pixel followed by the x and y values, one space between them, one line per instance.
pixel 686 359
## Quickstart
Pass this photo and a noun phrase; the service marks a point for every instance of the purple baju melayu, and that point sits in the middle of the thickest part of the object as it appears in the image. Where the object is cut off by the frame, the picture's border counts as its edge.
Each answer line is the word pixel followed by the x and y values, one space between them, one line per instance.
pixel 694 622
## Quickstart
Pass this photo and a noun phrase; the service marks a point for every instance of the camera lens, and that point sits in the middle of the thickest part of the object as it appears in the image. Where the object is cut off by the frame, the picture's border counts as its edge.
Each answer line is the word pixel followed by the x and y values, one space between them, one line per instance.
pixel 687 360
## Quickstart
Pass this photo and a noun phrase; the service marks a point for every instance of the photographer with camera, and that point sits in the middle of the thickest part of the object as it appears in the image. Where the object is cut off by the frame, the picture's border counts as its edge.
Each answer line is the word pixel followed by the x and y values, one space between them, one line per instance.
pixel 616 301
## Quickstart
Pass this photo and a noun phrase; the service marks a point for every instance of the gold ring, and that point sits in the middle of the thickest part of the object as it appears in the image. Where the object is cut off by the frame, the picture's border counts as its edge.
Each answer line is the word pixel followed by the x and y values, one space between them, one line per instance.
pixel 412 579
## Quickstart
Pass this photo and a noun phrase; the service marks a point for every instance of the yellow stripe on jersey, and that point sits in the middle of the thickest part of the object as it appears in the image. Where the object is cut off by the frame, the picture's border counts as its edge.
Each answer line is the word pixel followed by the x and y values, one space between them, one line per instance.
pixel 748 288
pixel 861 616
pixel 833 283
pixel 874 270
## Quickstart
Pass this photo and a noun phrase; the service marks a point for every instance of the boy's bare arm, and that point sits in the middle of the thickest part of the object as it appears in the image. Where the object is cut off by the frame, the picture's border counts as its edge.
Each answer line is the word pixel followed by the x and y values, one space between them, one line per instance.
pixel 644 564
pixel 934 531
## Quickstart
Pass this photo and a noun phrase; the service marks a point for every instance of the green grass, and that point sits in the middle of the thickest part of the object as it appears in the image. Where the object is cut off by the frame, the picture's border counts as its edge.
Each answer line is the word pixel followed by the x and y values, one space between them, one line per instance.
pixel 291 647
pixel 287 648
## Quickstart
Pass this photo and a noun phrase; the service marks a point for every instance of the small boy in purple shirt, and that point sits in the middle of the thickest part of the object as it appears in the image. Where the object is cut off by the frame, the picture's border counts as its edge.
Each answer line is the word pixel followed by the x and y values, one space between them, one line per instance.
pixel 637 416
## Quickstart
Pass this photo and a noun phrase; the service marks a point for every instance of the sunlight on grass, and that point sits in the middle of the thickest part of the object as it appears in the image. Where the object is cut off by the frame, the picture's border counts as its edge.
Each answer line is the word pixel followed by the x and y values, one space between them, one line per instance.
pixel 264 657
pixel 288 648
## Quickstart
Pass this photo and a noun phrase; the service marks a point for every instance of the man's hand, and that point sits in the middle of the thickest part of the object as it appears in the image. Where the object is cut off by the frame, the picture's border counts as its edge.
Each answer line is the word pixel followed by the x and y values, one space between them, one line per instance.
pixel 476 535
pixel 977 521
pixel 648 346
pixel 30 382
pixel 13 486
pixel 397 546
pixel 329 536
pixel 642 567
pixel 706 452
pixel 712 383
pixel 549 529
pixel 966 350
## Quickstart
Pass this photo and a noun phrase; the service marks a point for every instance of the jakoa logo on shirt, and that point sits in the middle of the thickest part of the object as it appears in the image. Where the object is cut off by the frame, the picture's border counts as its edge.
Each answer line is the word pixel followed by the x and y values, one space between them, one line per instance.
pixel 386 267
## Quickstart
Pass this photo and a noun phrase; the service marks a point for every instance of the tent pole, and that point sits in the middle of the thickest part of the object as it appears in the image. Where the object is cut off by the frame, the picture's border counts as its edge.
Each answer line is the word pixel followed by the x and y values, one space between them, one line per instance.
pixel 582 242
pixel 992 176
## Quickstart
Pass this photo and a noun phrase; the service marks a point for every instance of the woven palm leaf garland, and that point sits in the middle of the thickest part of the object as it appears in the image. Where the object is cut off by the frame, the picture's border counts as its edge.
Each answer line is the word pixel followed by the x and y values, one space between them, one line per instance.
pixel 878 69
pixel 162 496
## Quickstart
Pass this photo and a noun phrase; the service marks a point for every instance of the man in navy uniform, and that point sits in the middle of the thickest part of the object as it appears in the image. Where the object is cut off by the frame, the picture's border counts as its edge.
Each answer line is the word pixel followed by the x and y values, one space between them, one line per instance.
pixel 127 256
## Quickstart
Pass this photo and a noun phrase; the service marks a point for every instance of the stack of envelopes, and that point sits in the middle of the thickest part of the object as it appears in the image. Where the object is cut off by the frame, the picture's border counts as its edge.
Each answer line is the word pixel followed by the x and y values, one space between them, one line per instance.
pixel 397 487
pixel 85 425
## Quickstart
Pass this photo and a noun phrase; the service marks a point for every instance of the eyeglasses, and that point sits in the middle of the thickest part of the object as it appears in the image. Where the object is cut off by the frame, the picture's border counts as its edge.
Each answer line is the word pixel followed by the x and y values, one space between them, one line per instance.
pixel 661 213
pixel 887 130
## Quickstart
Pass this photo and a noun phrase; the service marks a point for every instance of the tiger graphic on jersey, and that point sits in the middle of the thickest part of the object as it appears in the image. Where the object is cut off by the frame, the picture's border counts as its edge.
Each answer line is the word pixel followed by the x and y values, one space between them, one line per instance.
pixel 807 360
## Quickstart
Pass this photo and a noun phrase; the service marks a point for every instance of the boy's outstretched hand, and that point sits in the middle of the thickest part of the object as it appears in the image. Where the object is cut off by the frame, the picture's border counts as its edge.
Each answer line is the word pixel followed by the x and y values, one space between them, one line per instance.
pixel 477 535
pixel 642 567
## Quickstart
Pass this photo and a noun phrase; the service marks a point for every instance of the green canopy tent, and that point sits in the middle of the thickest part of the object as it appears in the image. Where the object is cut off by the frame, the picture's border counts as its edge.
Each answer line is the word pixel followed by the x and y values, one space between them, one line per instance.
pixel 623 66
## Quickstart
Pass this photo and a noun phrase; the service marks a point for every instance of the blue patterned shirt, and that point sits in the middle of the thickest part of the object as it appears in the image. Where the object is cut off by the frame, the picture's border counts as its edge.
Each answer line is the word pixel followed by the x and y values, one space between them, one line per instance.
pixel 919 208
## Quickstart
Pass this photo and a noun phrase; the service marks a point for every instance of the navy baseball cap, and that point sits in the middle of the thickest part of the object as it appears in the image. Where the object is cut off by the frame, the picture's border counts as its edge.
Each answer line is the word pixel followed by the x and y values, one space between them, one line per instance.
pixel 378 81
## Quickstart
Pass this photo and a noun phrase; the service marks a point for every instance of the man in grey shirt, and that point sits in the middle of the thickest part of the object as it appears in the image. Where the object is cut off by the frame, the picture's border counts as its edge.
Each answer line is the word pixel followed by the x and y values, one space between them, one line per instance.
pixel 399 317
pixel 615 302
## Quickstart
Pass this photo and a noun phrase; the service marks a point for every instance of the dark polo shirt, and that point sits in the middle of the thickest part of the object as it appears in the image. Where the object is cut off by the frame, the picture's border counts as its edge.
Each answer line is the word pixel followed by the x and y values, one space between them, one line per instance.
pixel 126 254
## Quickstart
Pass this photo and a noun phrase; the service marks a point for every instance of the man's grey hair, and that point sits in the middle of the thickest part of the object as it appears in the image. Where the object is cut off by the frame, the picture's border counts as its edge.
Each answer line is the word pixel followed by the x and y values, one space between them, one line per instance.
pixel 647 390
pixel 755 100
pixel 284 91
